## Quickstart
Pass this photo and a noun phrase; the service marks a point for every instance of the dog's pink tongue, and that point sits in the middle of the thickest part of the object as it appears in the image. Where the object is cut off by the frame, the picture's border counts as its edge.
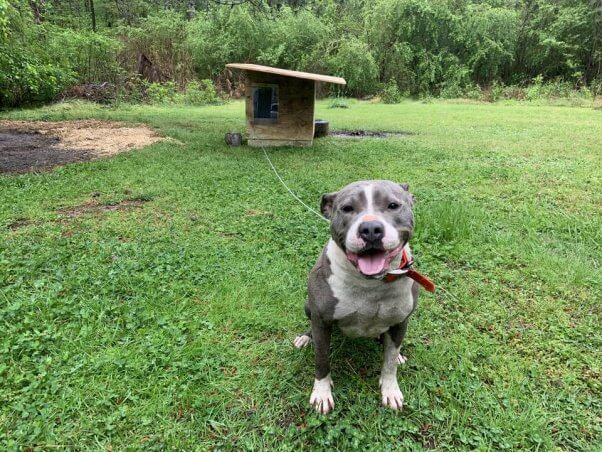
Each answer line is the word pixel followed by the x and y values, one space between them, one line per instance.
pixel 372 264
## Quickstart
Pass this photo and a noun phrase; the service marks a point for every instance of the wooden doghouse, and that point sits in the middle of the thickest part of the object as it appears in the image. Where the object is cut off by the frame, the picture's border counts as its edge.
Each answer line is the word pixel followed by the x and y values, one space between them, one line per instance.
pixel 280 104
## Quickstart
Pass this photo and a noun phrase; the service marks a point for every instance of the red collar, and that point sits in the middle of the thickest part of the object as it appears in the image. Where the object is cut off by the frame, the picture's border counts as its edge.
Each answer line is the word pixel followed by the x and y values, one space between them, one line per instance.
pixel 405 269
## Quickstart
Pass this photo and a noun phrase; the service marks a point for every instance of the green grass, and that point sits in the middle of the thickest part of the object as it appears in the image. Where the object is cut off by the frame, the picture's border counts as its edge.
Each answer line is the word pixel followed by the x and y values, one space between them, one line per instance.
pixel 170 325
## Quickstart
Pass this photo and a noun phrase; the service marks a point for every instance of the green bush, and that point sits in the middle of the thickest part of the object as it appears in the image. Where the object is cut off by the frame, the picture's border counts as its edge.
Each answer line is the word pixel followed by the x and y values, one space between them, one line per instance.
pixel 536 89
pixel 28 74
pixel 25 78
pixel 488 38
pixel 93 57
pixel 162 39
pixel 200 93
pixel 412 41
pixel 38 61
pixel 496 92
pixel 354 62
pixel 391 94
pixel 473 91
pixel 196 93
pixel 534 49
pixel 288 38
pixel 338 102
pixel 162 93
pixel 451 91
pixel 596 86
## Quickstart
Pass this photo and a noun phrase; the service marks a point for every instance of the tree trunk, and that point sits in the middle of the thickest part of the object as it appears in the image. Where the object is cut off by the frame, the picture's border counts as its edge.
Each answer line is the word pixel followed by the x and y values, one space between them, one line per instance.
pixel 92 15
pixel 37 8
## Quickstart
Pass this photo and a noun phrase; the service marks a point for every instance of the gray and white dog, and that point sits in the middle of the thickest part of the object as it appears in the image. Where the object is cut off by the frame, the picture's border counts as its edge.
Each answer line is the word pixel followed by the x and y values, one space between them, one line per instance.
pixel 371 223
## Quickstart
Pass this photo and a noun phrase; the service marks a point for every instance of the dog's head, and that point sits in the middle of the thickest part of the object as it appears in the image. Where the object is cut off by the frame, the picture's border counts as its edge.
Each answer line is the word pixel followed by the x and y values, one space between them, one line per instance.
pixel 371 221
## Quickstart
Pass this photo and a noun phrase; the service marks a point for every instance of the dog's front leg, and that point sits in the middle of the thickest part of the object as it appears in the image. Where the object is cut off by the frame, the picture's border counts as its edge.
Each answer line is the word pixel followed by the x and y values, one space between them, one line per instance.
pixel 321 396
pixel 389 388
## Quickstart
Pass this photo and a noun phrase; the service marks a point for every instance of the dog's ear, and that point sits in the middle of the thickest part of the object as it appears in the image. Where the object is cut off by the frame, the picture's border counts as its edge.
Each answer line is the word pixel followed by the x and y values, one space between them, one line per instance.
pixel 406 187
pixel 327 204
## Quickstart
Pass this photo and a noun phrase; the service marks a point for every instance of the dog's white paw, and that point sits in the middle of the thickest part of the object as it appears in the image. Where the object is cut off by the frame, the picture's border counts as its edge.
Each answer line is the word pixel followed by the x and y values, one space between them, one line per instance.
pixel 391 394
pixel 302 341
pixel 321 396
pixel 401 359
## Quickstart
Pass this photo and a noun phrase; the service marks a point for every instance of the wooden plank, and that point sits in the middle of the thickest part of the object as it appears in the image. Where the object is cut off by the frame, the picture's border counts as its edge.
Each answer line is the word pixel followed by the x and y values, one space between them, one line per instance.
pixel 267 143
pixel 287 73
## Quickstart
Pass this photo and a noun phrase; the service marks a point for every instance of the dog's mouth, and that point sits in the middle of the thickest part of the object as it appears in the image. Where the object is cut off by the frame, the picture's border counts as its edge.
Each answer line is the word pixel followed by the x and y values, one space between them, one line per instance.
pixel 373 261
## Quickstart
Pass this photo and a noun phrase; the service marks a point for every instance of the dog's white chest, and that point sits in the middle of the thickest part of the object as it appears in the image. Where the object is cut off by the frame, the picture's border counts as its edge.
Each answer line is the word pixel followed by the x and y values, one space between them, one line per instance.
pixel 365 307
pixel 370 311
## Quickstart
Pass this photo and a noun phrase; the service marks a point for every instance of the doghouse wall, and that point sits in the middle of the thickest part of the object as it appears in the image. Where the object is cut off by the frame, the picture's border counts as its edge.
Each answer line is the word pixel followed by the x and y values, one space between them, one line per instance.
pixel 295 123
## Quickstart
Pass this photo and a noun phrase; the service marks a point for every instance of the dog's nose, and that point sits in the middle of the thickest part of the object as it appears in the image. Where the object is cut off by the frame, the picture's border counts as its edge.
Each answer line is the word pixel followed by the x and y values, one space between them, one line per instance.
pixel 371 231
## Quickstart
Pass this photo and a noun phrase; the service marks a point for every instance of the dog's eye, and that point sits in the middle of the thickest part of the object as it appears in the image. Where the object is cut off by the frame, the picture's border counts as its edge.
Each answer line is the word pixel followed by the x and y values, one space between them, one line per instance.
pixel 393 206
pixel 348 208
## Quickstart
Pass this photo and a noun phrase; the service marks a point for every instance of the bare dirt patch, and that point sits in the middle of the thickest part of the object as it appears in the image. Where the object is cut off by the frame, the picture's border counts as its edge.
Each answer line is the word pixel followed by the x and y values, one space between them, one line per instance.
pixel 257 213
pixel 95 208
pixel 91 207
pixel 367 134
pixel 19 223
pixel 34 146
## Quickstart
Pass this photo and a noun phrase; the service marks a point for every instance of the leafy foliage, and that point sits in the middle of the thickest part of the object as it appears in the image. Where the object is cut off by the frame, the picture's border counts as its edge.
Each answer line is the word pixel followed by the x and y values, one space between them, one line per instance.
pixel 391 94
pixel 195 93
pixel 38 61
pixel 200 93
pixel 362 75
pixel 450 48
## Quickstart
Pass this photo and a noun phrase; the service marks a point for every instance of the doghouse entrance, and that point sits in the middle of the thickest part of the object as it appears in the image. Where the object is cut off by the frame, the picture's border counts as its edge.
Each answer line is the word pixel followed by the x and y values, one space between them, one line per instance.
pixel 265 103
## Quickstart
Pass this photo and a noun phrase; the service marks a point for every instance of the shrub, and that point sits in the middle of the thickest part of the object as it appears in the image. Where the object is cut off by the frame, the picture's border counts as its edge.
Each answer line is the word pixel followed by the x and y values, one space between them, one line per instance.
pixel 162 40
pixel 196 93
pixel 391 94
pixel 473 91
pixel 412 41
pixel 132 90
pixel 354 62
pixel 26 77
pixel 496 91
pixel 162 93
pixel 535 90
pixel 40 60
pixel 92 57
pixel 28 72
pixel 338 102
pixel 451 91
pixel 200 93
pixel 514 92
pixel 558 89
pixel 286 38
pixel 456 80
pixel 596 86
pixel 488 38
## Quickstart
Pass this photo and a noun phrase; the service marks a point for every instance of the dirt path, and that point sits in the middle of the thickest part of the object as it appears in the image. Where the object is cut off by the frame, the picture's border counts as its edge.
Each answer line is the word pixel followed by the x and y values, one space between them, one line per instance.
pixel 38 146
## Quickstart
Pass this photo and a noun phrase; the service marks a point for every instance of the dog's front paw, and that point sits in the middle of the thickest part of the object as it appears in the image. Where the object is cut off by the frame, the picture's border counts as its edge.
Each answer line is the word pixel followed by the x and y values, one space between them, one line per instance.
pixel 391 394
pixel 302 341
pixel 321 396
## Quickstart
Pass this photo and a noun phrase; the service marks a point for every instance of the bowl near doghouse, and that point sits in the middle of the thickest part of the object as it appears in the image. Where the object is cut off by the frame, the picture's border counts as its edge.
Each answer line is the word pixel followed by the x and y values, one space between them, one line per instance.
pixel 320 128
pixel 233 139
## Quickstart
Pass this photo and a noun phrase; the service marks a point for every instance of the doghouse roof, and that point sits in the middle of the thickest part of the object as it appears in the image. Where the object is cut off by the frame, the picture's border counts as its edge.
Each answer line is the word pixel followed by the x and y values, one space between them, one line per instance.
pixel 287 73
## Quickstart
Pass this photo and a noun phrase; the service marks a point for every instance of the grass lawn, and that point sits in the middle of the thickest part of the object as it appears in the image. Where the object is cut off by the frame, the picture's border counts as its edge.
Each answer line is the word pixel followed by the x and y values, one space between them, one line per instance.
pixel 170 325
